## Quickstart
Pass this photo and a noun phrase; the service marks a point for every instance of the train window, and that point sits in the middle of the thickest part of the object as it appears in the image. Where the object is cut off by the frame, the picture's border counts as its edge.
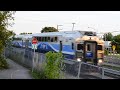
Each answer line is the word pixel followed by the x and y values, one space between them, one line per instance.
pixel 99 47
pixel 17 38
pixel 61 46
pixel 72 45
pixel 79 46
pixel 45 39
pixel 55 39
pixel 37 38
pixel 42 38
pixel 48 39
pixel 88 47
pixel 52 39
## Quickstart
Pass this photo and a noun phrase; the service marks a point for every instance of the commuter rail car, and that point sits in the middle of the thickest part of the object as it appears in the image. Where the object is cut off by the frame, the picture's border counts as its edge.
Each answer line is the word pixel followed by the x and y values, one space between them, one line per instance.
pixel 75 45
pixel 22 41
pixel 90 49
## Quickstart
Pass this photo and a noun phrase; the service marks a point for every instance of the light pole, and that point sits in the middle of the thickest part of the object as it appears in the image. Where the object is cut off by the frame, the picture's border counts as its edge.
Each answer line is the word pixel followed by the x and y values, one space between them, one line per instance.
pixel 105 36
pixel 58 26
pixel 73 26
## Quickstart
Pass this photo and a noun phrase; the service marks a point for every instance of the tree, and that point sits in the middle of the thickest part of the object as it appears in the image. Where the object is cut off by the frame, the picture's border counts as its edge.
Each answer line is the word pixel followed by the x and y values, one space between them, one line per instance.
pixel 5 34
pixel 49 29
pixel 108 37
pixel 116 42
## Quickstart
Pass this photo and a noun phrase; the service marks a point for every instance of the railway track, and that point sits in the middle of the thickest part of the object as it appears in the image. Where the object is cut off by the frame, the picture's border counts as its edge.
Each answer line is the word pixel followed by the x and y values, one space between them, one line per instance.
pixel 112 73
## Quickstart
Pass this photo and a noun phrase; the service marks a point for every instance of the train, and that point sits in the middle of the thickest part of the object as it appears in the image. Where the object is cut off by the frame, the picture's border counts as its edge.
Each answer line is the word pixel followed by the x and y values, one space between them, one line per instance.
pixel 75 45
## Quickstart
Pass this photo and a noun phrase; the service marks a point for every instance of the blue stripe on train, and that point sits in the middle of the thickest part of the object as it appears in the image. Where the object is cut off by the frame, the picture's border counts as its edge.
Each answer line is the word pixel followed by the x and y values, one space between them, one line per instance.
pixel 45 47
pixel 55 47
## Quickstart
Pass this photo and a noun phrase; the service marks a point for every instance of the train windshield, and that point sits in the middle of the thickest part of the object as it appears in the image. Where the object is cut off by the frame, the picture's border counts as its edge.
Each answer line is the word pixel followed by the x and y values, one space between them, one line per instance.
pixel 79 46
pixel 99 47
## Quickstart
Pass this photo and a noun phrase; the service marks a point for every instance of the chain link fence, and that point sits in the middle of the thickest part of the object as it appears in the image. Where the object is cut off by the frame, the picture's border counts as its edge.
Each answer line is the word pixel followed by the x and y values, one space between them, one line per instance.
pixel 72 69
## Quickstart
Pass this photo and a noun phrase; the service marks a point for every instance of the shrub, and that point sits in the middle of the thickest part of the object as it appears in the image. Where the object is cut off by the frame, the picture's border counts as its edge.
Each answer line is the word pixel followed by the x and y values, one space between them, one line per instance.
pixel 38 74
pixel 53 65
pixel 3 63
pixel 106 52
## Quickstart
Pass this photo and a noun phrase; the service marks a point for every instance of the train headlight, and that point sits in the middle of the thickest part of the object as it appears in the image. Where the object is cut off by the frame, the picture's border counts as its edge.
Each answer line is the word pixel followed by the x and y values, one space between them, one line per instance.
pixel 100 61
pixel 79 59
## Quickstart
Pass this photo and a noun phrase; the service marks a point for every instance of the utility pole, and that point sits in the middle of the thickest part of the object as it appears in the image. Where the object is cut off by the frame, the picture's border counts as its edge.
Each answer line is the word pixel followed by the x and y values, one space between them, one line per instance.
pixel 58 27
pixel 73 26
pixel 105 36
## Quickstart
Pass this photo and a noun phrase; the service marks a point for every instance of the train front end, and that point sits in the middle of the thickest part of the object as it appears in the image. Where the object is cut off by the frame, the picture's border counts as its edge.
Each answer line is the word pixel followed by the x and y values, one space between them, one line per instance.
pixel 90 49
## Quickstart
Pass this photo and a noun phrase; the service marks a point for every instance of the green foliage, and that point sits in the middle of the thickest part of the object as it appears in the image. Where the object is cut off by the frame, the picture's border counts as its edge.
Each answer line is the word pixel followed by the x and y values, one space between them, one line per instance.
pixel 38 74
pixel 108 37
pixel 5 17
pixel 53 65
pixel 111 67
pixel 49 29
pixel 3 63
pixel 116 42
pixel 118 48
pixel 106 52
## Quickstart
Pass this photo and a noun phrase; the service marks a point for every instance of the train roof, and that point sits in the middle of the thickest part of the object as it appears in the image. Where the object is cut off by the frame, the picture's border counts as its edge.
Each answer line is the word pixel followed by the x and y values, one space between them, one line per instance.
pixel 73 34
pixel 24 36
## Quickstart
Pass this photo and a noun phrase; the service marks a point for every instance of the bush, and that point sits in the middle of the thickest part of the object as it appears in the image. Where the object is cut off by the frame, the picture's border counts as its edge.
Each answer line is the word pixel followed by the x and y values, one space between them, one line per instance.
pixel 38 74
pixel 118 49
pixel 3 63
pixel 53 65
pixel 106 52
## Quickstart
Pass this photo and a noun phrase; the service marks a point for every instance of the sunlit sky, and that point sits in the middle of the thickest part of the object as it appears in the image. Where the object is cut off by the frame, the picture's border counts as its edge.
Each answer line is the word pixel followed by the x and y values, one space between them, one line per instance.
pixel 34 21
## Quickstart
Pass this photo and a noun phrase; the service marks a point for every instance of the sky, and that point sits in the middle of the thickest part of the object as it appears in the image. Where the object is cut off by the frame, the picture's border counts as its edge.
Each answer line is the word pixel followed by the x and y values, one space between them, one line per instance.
pixel 98 21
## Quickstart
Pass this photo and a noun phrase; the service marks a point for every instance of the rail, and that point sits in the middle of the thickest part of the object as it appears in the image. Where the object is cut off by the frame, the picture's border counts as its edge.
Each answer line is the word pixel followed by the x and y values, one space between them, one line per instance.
pixel 111 73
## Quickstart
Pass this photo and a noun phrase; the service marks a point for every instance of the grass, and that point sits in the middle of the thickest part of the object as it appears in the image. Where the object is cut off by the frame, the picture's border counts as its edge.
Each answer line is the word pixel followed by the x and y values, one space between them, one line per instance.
pixel 111 67
pixel 118 56
pixel 3 63
pixel 37 74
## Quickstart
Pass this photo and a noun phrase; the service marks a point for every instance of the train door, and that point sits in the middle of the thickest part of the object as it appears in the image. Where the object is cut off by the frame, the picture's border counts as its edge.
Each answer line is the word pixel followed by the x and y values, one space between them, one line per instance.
pixel 90 51
pixel 61 46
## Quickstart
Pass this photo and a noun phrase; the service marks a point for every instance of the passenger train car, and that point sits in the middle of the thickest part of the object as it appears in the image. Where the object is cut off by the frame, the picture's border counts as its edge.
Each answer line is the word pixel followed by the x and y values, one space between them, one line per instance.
pixel 75 45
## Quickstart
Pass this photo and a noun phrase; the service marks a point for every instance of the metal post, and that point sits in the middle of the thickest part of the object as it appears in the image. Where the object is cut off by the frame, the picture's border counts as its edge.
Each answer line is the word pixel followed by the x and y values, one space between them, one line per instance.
pixel 73 26
pixel 102 73
pixel 105 36
pixel 33 60
pixel 79 69
pixel 58 28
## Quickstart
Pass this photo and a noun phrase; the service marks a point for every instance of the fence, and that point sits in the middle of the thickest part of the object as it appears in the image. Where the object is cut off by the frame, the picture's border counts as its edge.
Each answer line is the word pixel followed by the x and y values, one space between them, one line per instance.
pixel 81 70
pixel 72 69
